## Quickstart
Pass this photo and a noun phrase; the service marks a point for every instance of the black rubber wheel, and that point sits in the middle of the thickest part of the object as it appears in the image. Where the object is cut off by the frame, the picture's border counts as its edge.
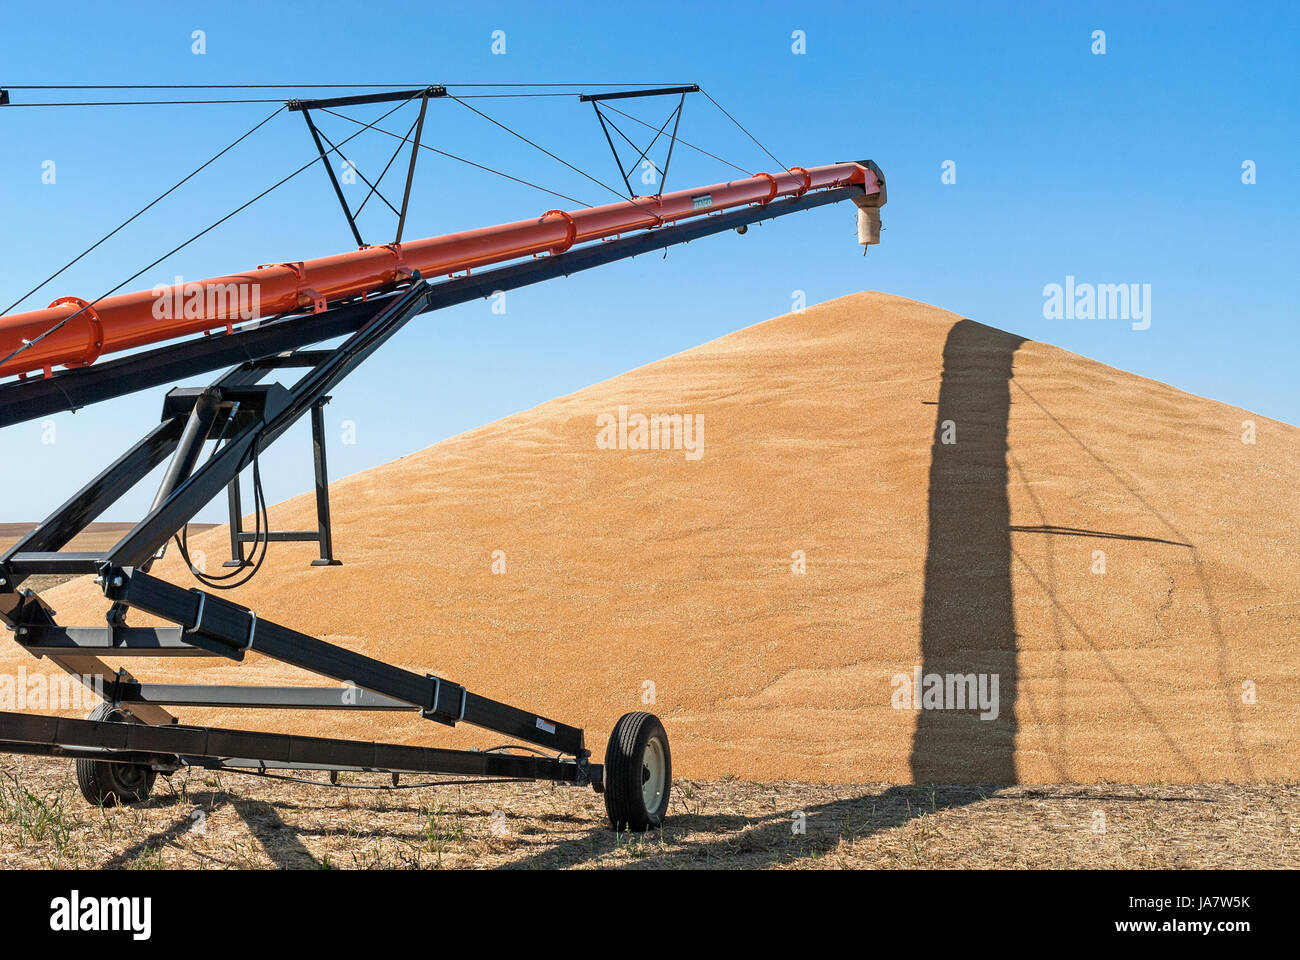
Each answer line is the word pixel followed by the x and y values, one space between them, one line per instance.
pixel 108 784
pixel 638 773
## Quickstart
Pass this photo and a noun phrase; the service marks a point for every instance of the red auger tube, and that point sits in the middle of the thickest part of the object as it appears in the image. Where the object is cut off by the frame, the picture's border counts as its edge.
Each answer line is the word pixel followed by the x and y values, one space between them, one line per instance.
pixel 165 312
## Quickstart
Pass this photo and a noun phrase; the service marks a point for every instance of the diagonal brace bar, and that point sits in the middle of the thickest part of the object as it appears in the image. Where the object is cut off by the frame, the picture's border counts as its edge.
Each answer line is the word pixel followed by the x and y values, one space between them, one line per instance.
pixel 334 180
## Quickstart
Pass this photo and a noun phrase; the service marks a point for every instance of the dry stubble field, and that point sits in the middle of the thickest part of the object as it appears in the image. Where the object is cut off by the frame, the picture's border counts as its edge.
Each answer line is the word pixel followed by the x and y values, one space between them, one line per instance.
pixel 202 821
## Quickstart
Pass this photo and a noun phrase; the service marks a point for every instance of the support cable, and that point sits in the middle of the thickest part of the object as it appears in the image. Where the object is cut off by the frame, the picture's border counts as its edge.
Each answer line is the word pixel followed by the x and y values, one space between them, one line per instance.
pixel 599 183
pixel 191 103
pixel 676 112
pixel 281 86
pixel 27 344
pixel 374 187
pixel 452 156
pixel 383 173
pixel 743 130
pixel 684 143
pixel 145 208
pixel 514 133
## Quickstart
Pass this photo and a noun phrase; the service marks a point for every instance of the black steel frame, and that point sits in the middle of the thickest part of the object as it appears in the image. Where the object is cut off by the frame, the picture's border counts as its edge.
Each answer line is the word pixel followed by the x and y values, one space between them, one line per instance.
pixel 170 746
pixel 305 107
pixel 606 124
pixel 323 533
pixel 245 416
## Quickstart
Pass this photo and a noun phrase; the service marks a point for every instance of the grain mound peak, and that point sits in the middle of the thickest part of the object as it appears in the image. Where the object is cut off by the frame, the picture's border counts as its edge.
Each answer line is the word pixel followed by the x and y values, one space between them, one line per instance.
pixel 852 501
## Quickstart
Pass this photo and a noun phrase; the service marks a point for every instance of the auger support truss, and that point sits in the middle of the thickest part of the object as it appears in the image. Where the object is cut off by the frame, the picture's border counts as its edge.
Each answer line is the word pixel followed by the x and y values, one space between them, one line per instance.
pixel 244 416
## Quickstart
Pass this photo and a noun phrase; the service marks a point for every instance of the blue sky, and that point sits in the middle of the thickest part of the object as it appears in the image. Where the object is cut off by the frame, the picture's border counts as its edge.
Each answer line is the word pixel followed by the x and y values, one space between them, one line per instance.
pixel 1117 168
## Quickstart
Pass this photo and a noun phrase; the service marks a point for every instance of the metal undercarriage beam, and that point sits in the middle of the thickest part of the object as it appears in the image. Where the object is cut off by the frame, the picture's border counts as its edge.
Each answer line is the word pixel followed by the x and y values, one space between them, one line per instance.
pixel 169 746
pixel 230 630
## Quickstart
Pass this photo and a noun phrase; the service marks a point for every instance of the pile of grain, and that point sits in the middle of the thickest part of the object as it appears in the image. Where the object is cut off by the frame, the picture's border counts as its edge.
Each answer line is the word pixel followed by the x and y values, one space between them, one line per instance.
pixel 632 575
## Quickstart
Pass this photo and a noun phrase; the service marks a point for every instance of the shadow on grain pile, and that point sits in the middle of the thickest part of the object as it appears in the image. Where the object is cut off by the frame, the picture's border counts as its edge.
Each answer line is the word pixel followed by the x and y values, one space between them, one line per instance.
pixel 968 626
pixel 967 621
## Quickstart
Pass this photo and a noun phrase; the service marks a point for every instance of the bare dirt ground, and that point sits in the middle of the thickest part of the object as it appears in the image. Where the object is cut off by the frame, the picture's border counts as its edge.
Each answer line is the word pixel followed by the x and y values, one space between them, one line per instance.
pixel 205 821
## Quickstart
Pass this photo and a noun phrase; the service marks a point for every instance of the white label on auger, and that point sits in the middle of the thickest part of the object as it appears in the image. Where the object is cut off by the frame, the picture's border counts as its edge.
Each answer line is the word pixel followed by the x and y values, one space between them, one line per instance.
pixel 703 200
pixel 543 725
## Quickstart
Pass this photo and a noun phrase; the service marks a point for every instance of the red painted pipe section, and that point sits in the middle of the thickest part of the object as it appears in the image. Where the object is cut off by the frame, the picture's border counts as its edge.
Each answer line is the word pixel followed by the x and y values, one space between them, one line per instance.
pixel 134 319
